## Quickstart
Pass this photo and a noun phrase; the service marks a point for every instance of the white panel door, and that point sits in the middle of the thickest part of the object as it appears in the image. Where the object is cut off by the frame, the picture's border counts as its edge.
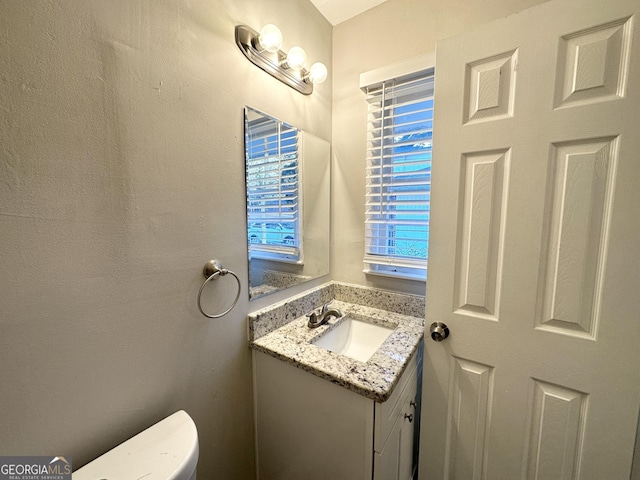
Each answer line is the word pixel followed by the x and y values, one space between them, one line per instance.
pixel 534 260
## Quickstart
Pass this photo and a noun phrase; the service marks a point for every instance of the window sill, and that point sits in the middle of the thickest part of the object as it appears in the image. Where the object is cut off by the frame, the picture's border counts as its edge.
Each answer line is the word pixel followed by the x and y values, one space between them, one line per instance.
pixel 275 256
pixel 417 277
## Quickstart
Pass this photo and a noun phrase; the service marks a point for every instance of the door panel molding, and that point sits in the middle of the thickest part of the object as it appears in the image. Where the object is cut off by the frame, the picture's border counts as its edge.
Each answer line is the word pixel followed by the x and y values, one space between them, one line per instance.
pixel 468 419
pixel 490 88
pixel 593 64
pixel 481 226
pixel 556 432
pixel 578 217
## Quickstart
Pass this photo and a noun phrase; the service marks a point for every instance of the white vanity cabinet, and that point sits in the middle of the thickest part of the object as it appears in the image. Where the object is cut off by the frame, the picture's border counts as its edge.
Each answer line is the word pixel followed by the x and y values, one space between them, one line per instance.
pixel 395 431
pixel 308 427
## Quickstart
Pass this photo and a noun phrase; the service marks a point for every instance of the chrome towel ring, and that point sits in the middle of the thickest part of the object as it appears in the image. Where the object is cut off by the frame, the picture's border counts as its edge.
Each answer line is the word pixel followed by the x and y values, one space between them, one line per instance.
pixel 212 269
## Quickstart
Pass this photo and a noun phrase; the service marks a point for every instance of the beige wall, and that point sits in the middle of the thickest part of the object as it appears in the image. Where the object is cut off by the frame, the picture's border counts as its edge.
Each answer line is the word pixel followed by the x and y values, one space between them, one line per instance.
pixel 391 32
pixel 121 174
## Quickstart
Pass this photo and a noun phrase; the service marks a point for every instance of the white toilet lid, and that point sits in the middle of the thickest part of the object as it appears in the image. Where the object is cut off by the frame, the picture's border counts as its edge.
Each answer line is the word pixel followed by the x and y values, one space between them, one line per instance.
pixel 167 450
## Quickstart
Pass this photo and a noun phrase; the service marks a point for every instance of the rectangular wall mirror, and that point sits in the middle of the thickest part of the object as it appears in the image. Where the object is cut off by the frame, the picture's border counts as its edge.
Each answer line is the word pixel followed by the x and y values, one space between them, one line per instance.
pixel 288 181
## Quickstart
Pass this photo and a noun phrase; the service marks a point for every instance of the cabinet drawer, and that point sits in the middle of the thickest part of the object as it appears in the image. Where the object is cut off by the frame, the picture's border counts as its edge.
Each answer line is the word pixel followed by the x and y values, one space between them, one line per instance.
pixel 387 413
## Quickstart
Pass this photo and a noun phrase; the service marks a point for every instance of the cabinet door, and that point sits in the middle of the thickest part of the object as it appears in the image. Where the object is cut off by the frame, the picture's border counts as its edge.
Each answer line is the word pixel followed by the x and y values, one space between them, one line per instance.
pixel 405 445
pixel 395 461
pixel 386 413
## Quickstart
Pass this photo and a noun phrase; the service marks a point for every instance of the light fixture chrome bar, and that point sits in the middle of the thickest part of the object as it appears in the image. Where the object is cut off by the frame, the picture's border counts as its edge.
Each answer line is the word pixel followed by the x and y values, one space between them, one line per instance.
pixel 246 39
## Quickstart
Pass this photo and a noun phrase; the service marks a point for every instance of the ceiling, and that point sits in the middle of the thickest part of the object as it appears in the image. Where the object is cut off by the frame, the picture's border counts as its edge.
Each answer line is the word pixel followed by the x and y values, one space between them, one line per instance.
pixel 337 11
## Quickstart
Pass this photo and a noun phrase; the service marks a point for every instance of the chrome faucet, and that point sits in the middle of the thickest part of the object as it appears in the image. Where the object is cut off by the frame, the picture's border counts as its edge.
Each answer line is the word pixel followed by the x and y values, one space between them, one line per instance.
pixel 326 313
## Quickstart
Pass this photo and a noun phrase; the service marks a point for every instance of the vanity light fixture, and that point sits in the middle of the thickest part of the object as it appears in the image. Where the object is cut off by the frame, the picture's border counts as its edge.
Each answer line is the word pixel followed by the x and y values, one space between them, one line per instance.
pixel 263 49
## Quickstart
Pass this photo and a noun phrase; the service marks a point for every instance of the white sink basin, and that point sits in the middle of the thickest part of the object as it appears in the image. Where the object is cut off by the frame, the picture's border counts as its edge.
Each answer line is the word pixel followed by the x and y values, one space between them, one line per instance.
pixel 354 338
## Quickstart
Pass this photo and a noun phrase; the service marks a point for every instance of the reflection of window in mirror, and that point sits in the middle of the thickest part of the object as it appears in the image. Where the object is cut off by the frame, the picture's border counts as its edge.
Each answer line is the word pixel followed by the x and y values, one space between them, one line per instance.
pixel 273 201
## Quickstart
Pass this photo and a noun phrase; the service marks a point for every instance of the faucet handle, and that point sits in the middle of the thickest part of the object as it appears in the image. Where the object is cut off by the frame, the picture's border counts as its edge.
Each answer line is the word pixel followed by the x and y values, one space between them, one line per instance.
pixel 313 320
pixel 325 307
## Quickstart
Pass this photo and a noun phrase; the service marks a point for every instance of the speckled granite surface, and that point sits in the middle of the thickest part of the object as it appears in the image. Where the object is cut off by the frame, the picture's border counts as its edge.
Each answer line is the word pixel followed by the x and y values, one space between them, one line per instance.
pixel 274 281
pixel 412 305
pixel 260 290
pixel 281 331
pixel 275 316
pixel 283 280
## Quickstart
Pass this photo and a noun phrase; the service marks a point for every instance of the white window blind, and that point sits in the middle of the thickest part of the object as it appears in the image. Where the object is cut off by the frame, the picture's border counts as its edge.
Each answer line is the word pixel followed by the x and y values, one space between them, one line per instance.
pixel 398 175
pixel 273 214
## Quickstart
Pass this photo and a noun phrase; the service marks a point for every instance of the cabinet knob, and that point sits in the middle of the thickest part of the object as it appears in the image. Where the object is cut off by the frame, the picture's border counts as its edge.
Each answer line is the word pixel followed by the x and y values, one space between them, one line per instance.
pixel 413 404
pixel 409 416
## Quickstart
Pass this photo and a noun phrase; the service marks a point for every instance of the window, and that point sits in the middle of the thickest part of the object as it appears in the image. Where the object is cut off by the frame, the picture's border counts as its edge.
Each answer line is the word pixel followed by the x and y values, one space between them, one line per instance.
pixel 398 175
pixel 273 214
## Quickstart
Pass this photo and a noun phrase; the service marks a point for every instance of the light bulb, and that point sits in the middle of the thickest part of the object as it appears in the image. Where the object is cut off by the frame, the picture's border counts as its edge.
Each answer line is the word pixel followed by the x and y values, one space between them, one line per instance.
pixel 296 58
pixel 317 73
pixel 270 38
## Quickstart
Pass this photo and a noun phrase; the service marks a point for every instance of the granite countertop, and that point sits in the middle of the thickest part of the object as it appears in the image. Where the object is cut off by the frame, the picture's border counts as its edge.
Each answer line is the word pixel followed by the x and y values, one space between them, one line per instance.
pixel 373 379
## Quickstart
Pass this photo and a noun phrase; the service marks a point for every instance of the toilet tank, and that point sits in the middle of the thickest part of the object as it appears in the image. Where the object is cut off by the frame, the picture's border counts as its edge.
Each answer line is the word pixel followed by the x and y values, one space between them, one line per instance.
pixel 167 450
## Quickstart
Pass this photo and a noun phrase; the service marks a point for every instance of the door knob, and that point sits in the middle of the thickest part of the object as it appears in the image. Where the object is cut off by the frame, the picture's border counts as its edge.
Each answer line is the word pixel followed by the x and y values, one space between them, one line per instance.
pixel 439 331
